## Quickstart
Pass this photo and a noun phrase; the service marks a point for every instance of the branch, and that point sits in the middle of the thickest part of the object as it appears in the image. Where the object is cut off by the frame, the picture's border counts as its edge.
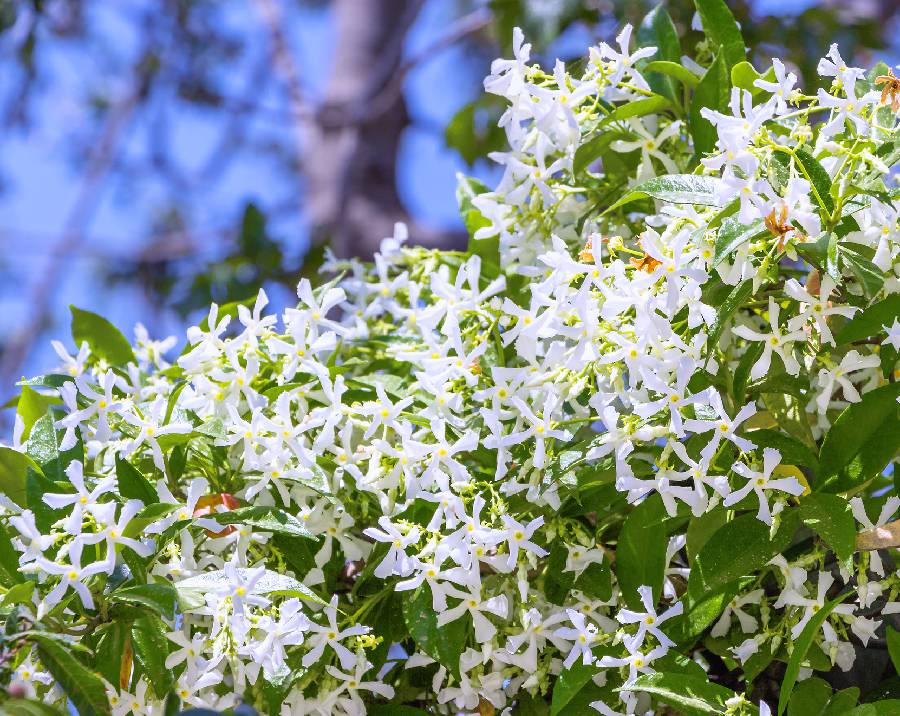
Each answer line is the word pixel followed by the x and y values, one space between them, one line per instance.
pixel 882 537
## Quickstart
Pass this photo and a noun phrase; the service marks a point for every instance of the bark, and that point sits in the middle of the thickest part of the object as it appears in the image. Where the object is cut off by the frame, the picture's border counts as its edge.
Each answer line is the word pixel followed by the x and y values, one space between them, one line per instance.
pixel 350 157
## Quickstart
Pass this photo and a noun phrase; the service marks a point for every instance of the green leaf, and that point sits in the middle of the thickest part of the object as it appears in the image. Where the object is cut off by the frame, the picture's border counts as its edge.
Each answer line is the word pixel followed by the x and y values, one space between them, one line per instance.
pixel 639 108
pixel 780 395
pixel 801 645
pixel 810 698
pixel 737 298
pixel 105 340
pixel 641 551
pixel 819 178
pixel 831 518
pixel 160 597
pixel 721 27
pixel 591 150
pixel 733 234
pixel 712 92
pixel 31 407
pixel 793 452
pixel 675 70
pixel 861 442
pixel 110 650
pixel 20 593
pixel 268 519
pixel 570 687
pixel 743 75
pixel 871 321
pixel 10 573
pixel 29 707
pixel 191 591
pixel 739 547
pixel 133 485
pixel 151 647
pixel 869 276
pixel 893 645
pixel 444 644
pixel 700 612
pixel 557 582
pixel 657 30
pixel 691 695
pixel 673 189
pixel 83 687
pixel 14 466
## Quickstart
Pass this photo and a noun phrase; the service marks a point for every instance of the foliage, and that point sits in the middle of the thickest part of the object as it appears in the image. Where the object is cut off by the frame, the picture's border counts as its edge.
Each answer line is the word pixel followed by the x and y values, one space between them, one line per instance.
pixel 615 456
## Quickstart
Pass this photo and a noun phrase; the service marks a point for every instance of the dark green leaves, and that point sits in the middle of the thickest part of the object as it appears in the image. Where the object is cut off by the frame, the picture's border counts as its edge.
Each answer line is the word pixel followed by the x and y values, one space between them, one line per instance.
pixel 160 597
pixel 861 441
pixel 657 30
pixel 133 485
pixel 691 695
pixel 445 643
pixel 739 547
pixel 871 321
pixel 14 466
pixel 267 519
pixel 819 178
pixel 737 298
pixel 573 690
pixel 712 92
pixel 893 644
pixel 151 647
pixel 721 27
pixel 793 452
pixel 84 688
pixel 801 646
pixel 830 517
pixel 641 552
pixel 105 340
pixel 673 189
pixel 733 234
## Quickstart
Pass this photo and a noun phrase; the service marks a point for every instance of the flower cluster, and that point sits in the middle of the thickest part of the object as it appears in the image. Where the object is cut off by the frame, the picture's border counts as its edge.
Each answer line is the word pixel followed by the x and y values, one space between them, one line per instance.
pixel 619 449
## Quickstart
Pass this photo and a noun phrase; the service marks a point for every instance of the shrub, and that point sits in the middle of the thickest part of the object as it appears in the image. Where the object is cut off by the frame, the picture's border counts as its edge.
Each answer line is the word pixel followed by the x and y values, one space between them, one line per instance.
pixel 617 456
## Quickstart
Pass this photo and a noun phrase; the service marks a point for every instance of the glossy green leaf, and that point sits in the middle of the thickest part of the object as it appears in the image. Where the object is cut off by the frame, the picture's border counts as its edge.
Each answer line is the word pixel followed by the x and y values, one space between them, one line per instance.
pixel 105 340
pixel 712 92
pixel 872 321
pixel 861 441
pixel 445 644
pixel 738 548
pixel 160 597
pixel 641 551
pixel 892 637
pixel 673 189
pixel 265 519
pixel 819 178
pixel 733 234
pixel 675 70
pixel 151 647
pixel 133 485
pixel 721 27
pixel 83 687
pixel 690 695
pixel 793 452
pixel 735 299
pixel 657 30
pixel 801 646
pixel 831 518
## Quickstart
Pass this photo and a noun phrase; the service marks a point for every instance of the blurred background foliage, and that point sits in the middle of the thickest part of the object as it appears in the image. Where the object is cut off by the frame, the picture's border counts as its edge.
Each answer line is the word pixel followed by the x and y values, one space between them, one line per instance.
pixel 159 154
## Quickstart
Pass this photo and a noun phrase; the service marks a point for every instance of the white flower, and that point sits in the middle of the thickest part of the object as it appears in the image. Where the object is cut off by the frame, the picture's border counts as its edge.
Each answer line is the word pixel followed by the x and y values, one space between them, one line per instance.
pixel 762 482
